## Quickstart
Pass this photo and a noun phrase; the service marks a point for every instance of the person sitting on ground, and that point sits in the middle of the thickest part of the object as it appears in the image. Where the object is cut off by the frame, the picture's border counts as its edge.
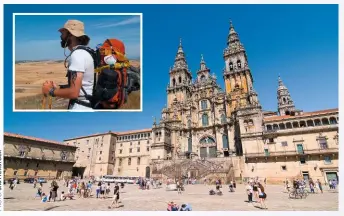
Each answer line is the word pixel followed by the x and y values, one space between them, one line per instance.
pixel 65 196
pixel 171 206
pixel 185 207
pixel 44 198
pixel 212 192
pixel 39 193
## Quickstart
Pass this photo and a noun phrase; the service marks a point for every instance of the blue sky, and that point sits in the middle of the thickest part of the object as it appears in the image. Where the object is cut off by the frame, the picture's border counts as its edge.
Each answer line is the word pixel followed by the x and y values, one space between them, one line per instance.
pixel 40 33
pixel 299 42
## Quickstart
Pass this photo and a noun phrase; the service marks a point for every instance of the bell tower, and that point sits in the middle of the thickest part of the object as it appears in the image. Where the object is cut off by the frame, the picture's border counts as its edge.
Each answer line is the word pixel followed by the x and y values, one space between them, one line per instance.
pixel 180 79
pixel 285 103
pixel 237 74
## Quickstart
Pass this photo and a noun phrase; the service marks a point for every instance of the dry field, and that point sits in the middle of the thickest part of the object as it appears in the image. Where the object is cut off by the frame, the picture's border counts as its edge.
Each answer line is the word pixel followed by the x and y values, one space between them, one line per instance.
pixel 30 76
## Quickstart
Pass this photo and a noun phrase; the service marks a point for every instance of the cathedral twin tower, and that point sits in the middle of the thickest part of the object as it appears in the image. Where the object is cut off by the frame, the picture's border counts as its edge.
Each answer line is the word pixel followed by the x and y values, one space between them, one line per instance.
pixel 200 118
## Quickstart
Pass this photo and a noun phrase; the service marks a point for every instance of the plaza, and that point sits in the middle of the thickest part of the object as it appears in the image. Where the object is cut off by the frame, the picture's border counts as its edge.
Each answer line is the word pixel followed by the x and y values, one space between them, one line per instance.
pixel 133 199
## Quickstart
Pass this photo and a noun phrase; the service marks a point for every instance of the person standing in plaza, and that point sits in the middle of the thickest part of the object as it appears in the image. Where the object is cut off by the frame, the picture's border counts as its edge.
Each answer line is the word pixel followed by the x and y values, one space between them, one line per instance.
pixel 115 196
pixel 319 186
pixel 54 188
pixel 262 195
pixel 249 191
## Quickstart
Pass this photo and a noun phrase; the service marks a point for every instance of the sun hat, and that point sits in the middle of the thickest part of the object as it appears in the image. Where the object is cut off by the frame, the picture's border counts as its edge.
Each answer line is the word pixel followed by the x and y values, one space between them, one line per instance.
pixel 75 27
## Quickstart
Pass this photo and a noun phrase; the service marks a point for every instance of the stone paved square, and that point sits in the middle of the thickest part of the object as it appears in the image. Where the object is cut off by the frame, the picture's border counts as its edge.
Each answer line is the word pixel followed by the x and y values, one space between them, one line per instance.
pixel 133 199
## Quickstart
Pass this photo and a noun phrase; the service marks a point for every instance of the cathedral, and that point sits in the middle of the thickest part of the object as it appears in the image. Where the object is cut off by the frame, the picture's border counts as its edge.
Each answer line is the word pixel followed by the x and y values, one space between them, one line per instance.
pixel 202 121
pixel 227 129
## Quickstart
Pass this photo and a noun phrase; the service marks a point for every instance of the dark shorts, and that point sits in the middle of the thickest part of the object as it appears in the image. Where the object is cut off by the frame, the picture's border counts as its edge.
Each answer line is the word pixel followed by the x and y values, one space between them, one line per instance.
pixel 102 192
pixel 263 196
pixel 255 188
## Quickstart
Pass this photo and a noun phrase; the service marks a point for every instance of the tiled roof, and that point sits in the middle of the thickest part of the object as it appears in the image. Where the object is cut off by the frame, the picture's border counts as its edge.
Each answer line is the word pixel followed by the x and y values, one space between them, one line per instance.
pixel 13 135
pixel 91 135
pixel 305 114
pixel 113 133
pixel 134 131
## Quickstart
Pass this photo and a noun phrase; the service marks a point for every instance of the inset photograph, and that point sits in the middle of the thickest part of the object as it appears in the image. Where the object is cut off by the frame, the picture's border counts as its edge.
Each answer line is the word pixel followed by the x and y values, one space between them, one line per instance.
pixel 81 62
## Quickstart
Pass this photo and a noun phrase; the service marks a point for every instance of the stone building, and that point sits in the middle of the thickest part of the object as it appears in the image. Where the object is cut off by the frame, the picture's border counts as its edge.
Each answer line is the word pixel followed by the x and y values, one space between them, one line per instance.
pixel 202 121
pixel 95 154
pixel 33 157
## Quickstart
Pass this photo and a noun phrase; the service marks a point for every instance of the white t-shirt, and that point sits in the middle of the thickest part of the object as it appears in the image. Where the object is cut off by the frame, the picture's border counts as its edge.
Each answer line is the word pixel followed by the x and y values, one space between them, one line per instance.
pixel 82 61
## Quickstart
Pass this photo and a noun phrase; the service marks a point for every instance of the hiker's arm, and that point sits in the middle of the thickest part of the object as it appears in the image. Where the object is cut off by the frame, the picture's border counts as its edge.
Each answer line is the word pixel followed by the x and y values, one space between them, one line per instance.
pixel 74 89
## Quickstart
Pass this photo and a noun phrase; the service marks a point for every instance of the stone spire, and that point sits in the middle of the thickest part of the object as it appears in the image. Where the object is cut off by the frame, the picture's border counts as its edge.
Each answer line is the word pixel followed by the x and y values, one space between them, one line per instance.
pixel 203 65
pixel 180 61
pixel 285 103
pixel 233 35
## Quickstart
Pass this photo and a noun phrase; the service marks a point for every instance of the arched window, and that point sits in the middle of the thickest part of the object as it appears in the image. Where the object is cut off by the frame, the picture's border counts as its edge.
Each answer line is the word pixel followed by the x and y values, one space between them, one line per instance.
pixel 268 127
pixel 310 123
pixel 204 120
pixel 225 141
pixel 302 124
pixel 275 127
pixel 202 78
pixel 173 82
pixel 287 112
pixel 284 100
pixel 317 122
pixel 230 66
pixel 203 104
pixel 333 120
pixel 223 118
pixel 295 124
pixel 288 125
pixel 179 80
pixel 189 123
pixel 207 140
pixel 239 63
pixel 281 126
pixel 189 144
pixel 325 121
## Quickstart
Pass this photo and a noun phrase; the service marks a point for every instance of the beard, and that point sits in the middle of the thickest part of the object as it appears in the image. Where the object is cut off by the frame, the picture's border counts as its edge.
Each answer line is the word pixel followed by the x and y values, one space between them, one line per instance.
pixel 65 42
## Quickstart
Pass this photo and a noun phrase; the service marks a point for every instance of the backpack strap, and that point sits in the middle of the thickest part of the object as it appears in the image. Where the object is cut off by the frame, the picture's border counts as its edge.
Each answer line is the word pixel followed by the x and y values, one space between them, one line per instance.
pixel 95 65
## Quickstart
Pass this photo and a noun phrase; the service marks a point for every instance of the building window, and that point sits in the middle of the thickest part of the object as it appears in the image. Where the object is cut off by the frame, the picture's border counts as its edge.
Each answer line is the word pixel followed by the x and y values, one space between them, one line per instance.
pixel 223 118
pixel 300 148
pixel 87 142
pixel 327 160
pixel 130 150
pixel 121 145
pixel 230 66
pixel 302 160
pixel 100 158
pixel 89 150
pixel 88 157
pixel 138 143
pixel 120 162
pixel 189 144
pixel 239 63
pixel 203 104
pixel 138 161
pixel 158 157
pixel 323 143
pixel 204 120
pixel 120 151
pixel 284 168
pixel 147 141
pixel 284 143
pixel 129 161
pixel 271 140
pixel 147 148
pixel 100 152
pixel 225 141
pixel 131 143
pixel 138 149
pixel 64 155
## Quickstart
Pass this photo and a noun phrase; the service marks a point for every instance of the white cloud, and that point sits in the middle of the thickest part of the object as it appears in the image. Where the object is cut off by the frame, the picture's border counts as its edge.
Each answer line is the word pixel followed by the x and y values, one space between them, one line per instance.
pixel 132 20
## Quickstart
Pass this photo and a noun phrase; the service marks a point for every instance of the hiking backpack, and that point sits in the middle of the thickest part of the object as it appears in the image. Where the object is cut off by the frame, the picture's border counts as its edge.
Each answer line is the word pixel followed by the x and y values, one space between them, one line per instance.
pixel 110 81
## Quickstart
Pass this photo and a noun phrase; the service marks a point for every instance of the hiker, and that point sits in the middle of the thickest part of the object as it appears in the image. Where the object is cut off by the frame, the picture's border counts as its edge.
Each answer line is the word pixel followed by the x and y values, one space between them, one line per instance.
pixel 80 67
pixel 97 79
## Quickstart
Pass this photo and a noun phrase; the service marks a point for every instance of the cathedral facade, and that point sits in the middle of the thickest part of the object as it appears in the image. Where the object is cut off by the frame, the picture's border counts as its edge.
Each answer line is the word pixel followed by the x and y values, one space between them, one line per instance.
pixel 202 121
